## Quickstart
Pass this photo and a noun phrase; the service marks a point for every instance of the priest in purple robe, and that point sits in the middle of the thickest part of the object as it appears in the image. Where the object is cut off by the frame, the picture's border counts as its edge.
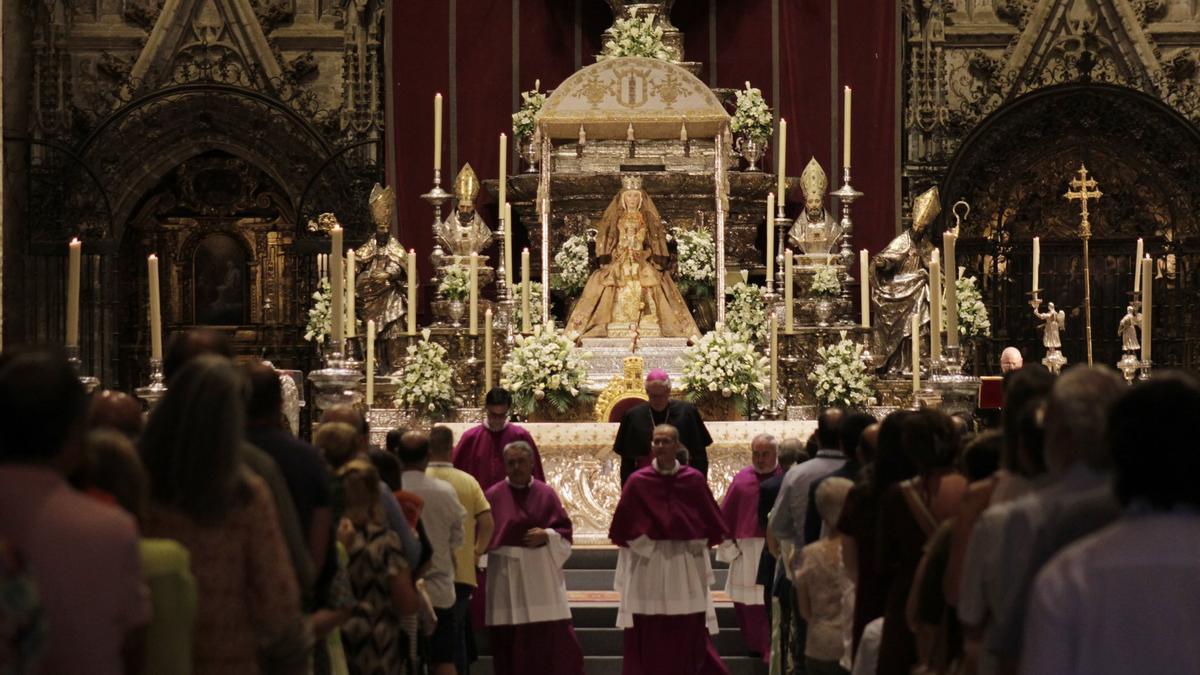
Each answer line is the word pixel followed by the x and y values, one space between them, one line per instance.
pixel 664 525
pixel 480 450
pixel 527 610
pixel 743 551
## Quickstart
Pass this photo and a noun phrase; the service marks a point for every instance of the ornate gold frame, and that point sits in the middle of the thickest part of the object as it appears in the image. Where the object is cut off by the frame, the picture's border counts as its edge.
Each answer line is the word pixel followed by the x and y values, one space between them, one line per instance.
pixel 628 385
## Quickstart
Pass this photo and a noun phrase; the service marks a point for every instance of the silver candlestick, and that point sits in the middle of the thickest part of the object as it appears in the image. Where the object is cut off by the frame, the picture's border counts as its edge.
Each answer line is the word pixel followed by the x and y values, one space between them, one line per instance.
pixel 436 197
pixel 846 196
pixel 152 393
pixel 337 382
pixel 783 225
pixel 89 383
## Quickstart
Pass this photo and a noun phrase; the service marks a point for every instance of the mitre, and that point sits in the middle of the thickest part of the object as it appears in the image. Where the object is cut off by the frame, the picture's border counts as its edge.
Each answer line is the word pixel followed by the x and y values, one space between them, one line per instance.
pixel 926 207
pixel 813 181
pixel 466 185
pixel 378 192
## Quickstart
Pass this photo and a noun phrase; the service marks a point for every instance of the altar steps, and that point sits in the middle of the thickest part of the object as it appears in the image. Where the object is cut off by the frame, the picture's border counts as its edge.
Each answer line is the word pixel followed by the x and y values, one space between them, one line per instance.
pixel 589 575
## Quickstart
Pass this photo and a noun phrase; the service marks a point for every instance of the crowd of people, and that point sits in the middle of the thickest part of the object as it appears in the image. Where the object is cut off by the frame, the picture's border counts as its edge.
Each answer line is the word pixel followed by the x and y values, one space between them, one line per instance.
pixel 207 538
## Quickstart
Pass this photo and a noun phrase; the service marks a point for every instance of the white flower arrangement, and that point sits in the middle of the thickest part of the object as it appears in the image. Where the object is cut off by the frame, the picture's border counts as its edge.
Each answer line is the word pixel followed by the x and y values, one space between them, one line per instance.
pixel 724 363
pixel 841 376
pixel 544 365
pixel 319 314
pixel 746 312
pixel 535 305
pixel 973 318
pixel 636 37
pixel 697 260
pixel 571 261
pixel 825 283
pixel 523 120
pixel 426 381
pixel 456 283
pixel 751 116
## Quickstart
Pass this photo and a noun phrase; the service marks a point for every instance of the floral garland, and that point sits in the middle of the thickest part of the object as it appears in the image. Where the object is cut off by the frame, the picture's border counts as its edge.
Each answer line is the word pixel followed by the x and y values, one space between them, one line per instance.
pixel 572 264
pixel 825 283
pixel 697 261
pixel 523 120
pixel 973 318
pixel 724 363
pixel 636 37
pixel 544 365
pixel 456 283
pixel 746 312
pixel 319 315
pixel 426 381
pixel 535 305
pixel 841 376
pixel 751 116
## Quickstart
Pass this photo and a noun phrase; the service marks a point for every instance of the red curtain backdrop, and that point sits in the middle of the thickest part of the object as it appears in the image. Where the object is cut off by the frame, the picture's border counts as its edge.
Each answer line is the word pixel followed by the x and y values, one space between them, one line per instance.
pixel 472 41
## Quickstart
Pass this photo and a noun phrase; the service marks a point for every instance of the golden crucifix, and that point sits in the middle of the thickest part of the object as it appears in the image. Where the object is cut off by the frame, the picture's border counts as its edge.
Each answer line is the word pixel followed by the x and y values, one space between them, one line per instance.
pixel 1083 189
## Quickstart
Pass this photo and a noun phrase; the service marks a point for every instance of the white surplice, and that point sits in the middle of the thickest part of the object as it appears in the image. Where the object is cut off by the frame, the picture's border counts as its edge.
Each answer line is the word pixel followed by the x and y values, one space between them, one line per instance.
pixel 526 585
pixel 664 577
pixel 743 556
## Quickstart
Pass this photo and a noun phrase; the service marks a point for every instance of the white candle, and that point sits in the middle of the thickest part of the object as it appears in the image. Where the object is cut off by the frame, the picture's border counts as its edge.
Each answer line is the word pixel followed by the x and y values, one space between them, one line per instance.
pixel 526 319
pixel 846 129
pixel 155 309
pixel 1147 302
pixel 789 319
pixel 351 328
pixel 781 192
pixel 1037 261
pixel 437 132
pixel 473 276
pixel 370 362
pixel 508 246
pixel 487 350
pixel 336 279
pixel 916 353
pixel 935 309
pixel 74 251
pixel 770 238
pixel 1137 267
pixel 864 288
pixel 503 189
pixel 412 291
pixel 949 242
pixel 774 389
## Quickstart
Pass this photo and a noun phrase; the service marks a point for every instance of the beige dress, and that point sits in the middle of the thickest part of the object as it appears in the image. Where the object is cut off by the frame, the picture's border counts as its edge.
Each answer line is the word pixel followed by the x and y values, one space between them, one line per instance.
pixel 823 577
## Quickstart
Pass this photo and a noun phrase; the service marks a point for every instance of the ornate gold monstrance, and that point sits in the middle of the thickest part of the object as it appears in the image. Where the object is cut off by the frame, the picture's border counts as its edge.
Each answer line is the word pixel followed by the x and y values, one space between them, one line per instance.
pixel 1083 189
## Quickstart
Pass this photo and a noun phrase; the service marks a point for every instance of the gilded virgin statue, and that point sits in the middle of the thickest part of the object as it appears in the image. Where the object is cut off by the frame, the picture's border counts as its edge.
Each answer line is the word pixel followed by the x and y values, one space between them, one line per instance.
pixel 900 285
pixel 632 292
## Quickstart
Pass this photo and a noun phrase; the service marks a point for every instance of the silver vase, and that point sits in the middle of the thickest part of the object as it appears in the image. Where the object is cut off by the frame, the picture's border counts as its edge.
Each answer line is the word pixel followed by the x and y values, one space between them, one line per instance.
pixel 751 150
pixel 457 309
pixel 529 153
pixel 823 309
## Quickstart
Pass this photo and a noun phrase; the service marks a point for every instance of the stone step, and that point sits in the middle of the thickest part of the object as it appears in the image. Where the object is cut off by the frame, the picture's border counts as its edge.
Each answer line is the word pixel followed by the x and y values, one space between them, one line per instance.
pixel 605 558
pixel 602 580
pixel 612 665
pixel 609 641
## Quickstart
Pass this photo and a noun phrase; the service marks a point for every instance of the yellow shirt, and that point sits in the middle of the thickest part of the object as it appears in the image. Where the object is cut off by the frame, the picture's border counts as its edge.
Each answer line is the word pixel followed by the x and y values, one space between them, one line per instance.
pixel 470 495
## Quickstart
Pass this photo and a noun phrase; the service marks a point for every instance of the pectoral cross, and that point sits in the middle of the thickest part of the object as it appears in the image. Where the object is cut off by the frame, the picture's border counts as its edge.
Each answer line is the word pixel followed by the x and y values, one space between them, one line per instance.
pixel 1083 189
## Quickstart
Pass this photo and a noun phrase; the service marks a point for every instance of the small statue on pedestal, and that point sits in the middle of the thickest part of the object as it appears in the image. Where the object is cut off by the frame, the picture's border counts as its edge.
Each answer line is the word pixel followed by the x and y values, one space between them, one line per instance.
pixel 1128 330
pixel 815 232
pixel 378 282
pixel 463 232
pixel 1054 320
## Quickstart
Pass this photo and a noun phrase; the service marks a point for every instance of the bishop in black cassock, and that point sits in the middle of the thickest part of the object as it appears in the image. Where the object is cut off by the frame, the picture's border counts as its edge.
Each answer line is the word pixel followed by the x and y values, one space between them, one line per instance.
pixel 637 427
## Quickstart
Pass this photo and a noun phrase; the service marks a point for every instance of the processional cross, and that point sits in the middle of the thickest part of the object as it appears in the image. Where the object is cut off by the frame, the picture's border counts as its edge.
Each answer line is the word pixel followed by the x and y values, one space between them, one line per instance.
pixel 1083 189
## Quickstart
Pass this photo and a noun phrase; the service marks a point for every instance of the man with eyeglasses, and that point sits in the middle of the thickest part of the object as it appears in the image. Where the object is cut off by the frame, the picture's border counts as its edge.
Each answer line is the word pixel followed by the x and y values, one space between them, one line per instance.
pixel 480 451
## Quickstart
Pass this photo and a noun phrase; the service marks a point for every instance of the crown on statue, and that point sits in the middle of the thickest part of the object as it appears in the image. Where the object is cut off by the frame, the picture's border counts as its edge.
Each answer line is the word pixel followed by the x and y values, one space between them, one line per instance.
pixel 926 207
pixel 379 192
pixel 631 182
pixel 466 185
pixel 814 182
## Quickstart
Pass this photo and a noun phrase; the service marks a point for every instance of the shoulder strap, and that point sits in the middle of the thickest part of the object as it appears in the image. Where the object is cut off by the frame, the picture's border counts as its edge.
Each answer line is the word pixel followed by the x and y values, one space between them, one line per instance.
pixel 924 517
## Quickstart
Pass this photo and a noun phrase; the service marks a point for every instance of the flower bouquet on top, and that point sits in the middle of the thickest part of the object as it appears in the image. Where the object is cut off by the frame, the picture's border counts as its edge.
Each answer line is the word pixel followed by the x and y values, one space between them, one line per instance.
pixel 571 261
pixel 746 311
pixel 426 380
pixel 751 116
pixel 319 315
pixel 724 364
pixel 636 36
pixel 825 283
pixel 523 120
pixel 697 262
pixel 841 377
pixel 455 284
pixel 535 305
pixel 973 318
pixel 545 366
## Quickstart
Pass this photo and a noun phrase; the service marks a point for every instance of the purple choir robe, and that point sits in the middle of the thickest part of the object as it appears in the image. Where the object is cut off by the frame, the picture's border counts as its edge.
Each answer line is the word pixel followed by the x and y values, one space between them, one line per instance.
pixel 551 644
pixel 480 453
pixel 740 511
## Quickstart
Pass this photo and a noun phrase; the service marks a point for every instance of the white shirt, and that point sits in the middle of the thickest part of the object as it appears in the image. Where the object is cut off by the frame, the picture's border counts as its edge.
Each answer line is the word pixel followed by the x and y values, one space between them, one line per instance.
pixel 526 585
pixel 1123 600
pixel 442 515
pixel 664 577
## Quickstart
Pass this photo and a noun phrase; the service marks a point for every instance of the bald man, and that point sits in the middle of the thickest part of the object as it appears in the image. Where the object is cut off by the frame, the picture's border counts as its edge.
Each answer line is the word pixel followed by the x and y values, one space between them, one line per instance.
pixel 1011 359
pixel 637 427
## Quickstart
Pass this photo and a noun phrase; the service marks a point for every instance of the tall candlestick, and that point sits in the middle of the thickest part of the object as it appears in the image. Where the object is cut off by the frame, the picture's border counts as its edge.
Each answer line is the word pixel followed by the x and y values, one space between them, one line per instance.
pixel 508 246
pixel 781 192
pixel 155 309
pixel 846 129
pixel 370 362
pixel 916 353
pixel 789 319
pixel 487 350
pixel 774 389
pixel 503 173
pixel 412 291
pixel 473 276
pixel 949 242
pixel 935 309
pixel 770 238
pixel 864 288
pixel 526 319
pixel 1147 302
pixel 1037 261
pixel 351 328
pixel 1137 267
pixel 336 279
pixel 437 132
pixel 74 252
